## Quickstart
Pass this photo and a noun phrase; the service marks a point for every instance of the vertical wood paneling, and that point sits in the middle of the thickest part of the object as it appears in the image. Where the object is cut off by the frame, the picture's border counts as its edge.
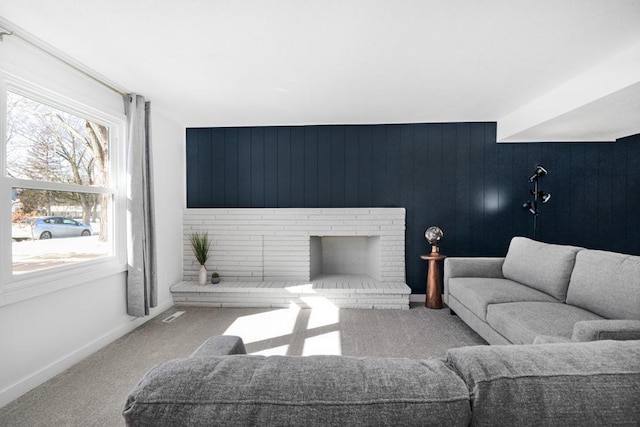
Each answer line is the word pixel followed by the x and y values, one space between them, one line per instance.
pixel 421 205
pixel 192 156
pixel 284 168
pixel 379 166
pixel 606 214
pixel 205 174
pixel 620 199
pixel 337 166
pixel 633 196
pixel 533 158
pixel 491 174
pixel 576 191
pixel 297 166
pixel 244 167
pixel 592 194
pixel 434 168
pixel 407 158
pixel 216 174
pixel 257 168
pixel 365 166
pixel 453 175
pixel 408 199
pixel 552 212
pixel 351 166
pixel 508 205
pixel 477 189
pixel 324 167
pixel 463 189
pixel 392 166
pixel 271 167
pixel 311 174
pixel 449 188
pixel 231 167
pixel 522 169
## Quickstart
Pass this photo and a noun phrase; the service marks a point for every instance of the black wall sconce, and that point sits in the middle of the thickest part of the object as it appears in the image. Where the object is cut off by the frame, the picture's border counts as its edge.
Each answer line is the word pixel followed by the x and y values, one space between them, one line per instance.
pixel 540 171
pixel 538 196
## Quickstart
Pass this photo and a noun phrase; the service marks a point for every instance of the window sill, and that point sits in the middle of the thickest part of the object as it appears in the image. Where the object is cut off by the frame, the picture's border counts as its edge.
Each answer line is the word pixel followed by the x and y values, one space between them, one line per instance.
pixel 33 287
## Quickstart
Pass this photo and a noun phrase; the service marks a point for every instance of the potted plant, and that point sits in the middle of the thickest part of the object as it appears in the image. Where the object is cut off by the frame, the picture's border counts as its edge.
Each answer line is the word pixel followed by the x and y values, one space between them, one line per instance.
pixel 215 278
pixel 200 245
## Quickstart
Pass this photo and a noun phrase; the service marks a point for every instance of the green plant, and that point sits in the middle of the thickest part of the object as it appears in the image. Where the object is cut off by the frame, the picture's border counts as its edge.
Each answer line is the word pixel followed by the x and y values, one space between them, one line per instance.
pixel 214 275
pixel 200 245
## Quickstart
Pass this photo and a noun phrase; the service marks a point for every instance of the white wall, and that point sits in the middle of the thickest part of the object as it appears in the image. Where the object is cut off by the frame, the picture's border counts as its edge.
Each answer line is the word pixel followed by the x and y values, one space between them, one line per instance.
pixel 42 336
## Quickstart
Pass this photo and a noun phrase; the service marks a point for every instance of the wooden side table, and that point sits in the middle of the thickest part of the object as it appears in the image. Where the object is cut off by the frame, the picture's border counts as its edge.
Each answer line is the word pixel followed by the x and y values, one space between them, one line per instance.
pixel 434 284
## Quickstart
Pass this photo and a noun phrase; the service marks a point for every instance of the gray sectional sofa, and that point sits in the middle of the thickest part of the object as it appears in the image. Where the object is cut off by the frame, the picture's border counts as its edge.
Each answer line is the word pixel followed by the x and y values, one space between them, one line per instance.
pixel 542 292
pixel 565 384
pixel 576 312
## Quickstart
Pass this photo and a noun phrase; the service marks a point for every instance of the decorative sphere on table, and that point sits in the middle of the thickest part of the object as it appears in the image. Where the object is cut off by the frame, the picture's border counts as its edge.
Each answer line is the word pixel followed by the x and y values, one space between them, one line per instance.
pixel 434 235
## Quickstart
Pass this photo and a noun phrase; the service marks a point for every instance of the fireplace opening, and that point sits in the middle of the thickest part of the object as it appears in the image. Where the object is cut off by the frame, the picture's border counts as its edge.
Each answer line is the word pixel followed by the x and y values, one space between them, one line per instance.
pixel 345 255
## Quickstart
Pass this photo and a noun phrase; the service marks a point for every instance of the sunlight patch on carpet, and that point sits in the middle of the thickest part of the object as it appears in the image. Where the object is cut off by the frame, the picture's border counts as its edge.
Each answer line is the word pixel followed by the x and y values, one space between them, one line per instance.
pixel 263 326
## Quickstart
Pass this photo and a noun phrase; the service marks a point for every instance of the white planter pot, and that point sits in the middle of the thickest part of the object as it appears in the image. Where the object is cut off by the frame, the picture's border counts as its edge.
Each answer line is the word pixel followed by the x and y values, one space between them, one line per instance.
pixel 202 275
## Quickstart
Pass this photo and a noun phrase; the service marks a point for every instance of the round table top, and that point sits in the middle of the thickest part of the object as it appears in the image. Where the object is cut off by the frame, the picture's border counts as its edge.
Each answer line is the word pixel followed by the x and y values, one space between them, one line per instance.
pixel 433 255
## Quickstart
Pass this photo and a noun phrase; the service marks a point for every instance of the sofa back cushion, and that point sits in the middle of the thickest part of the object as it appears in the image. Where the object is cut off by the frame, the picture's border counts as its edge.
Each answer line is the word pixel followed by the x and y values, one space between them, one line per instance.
pixel 315 390
pixel 541 266
pixel 595 383
pixel 606 283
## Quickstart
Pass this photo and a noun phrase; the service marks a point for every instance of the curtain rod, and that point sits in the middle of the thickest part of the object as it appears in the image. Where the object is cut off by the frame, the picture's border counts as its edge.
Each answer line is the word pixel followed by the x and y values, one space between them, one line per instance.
pixel 52 52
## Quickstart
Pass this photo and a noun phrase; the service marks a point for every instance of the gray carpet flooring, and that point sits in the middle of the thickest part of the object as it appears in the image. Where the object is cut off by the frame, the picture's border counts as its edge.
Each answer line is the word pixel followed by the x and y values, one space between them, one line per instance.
pixel 92 392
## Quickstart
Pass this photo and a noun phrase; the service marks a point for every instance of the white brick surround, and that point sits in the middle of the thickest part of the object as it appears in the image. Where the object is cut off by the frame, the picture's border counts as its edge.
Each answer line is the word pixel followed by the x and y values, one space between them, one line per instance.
pixel 271 257
pixel 274 244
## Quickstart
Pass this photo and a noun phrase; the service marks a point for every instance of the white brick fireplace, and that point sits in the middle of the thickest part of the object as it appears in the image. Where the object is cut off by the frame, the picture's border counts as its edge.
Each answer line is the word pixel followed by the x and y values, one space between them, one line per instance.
pixel 345 249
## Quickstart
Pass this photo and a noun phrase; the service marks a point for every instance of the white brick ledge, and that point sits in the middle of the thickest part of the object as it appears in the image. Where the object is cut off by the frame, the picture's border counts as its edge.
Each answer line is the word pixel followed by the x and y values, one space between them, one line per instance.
pixel 341 291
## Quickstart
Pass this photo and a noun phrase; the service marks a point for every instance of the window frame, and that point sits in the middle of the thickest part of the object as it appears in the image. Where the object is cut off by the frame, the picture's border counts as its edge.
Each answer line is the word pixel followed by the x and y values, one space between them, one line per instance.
pixel 15 288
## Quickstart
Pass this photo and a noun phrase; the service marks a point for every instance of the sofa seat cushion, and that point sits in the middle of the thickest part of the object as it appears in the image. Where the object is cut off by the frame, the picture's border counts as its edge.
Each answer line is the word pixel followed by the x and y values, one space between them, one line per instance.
pixel 542 266
pixel 521 322
pixel 606 283
pixel 245 390
pixel 476 293
pixel 576 384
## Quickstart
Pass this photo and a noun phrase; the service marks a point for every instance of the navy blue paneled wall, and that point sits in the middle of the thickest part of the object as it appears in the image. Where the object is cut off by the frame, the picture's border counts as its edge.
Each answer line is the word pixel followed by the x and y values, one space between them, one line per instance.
pixel 453 175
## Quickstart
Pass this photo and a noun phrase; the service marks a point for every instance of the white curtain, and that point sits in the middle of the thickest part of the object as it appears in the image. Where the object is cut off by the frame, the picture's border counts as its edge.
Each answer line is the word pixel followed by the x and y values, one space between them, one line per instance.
pixel 141 251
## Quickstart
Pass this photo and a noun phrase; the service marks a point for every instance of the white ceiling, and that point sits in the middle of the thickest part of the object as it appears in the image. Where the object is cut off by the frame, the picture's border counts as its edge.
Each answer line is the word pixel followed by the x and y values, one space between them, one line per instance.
pixel 543 69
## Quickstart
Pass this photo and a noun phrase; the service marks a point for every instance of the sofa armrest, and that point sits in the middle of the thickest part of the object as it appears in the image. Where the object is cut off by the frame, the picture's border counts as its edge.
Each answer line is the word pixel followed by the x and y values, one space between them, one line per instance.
pixel 221 345
pixel 470 267
pixel 589 383
pixel 606 329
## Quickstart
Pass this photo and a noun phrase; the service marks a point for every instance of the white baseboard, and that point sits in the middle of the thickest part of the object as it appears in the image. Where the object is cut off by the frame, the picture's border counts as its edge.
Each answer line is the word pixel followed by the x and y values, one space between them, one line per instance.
pixel 417 298
pixel 16 390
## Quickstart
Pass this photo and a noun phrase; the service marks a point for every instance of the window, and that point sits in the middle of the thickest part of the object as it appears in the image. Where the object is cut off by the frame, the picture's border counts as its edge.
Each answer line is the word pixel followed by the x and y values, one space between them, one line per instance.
pixel 61 168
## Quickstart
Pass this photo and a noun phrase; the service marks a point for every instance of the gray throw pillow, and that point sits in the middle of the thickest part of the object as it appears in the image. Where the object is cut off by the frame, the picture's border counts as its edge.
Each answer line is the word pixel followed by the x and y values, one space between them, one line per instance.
pixel 606 283
pixel 541 266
